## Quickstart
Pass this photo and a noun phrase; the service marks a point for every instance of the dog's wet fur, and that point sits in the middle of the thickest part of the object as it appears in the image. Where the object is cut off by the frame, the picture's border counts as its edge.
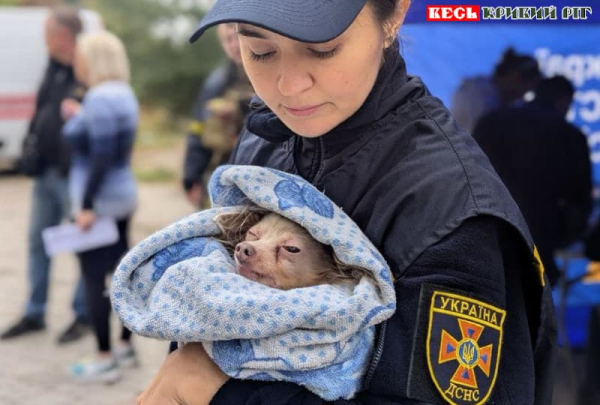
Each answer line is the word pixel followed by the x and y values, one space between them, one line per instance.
pixel 279 253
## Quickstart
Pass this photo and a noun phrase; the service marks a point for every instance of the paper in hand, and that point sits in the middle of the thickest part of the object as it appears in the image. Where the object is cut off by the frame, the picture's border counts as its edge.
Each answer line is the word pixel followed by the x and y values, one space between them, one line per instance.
pixel 69 238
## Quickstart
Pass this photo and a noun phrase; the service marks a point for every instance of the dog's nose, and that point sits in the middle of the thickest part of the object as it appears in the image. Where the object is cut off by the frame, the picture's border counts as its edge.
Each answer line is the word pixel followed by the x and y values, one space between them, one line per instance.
pixel 244 251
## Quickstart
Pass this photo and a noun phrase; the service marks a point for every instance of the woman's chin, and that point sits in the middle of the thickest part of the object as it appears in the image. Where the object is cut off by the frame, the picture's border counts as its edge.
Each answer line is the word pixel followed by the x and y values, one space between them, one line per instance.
pixel 305 129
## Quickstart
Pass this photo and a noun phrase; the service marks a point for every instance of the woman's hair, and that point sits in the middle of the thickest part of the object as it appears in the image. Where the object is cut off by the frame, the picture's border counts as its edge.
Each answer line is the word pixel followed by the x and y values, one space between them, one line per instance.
pixel 512 62
pixel 234 227
pixel 384 9
pixel 105 57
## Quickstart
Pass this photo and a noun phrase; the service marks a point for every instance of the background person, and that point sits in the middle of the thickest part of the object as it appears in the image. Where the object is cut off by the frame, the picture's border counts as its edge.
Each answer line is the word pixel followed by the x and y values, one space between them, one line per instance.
pixel 514 75
pixel 544 161
pixel 219 115
pixel 339 109
pixel 46 159
pixel 101 132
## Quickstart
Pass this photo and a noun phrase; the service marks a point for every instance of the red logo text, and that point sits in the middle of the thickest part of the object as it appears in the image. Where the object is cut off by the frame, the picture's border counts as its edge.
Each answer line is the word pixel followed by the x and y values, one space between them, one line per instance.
pixel 453 13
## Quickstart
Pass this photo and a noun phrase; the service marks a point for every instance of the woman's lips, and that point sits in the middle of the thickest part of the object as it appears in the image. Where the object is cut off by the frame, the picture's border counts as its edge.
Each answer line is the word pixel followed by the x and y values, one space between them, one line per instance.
pixel 302 111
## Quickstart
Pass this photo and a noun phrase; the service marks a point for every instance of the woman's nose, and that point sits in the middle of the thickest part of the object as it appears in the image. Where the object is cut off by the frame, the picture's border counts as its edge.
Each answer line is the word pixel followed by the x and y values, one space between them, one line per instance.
pixel 294 80
pixel 244 251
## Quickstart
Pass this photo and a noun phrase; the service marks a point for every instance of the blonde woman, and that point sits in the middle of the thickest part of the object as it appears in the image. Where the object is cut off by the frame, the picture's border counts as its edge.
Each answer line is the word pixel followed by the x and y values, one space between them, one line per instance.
pixel 101 133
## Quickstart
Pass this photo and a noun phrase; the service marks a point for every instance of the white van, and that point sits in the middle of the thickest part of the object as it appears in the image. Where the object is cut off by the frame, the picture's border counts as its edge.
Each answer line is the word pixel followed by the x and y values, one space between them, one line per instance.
pixel 23 60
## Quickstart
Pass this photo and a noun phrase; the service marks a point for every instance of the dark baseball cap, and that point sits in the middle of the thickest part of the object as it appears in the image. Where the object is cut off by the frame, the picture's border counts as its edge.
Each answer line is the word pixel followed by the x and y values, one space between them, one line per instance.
pixel 303 20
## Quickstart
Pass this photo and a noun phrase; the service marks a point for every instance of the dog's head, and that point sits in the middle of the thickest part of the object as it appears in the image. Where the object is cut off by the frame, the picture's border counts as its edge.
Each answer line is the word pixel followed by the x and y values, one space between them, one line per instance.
pixel 279 253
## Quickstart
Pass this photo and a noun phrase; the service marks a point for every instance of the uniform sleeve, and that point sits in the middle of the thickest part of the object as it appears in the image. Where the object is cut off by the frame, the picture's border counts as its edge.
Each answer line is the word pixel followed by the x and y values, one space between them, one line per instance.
pixel 467 294
pixel 472 262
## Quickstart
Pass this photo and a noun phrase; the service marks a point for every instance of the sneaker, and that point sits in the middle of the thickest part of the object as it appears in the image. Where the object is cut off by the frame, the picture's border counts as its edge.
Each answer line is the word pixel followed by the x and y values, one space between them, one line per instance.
pixel 76 330
pixel 23 327
pixel 101 370
pixel 125 356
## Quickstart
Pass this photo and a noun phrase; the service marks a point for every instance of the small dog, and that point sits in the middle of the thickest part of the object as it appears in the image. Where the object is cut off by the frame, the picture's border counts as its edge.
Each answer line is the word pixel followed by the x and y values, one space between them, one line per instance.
pixel 279 253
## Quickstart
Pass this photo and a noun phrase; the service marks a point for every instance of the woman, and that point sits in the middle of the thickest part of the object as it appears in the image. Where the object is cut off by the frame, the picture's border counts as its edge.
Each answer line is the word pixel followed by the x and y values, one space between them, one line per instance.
pixel 101 132
pixel 475 318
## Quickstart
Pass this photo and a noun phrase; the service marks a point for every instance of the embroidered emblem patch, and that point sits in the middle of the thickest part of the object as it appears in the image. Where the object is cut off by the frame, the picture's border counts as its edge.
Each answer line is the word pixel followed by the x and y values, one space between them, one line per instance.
pixel 464 342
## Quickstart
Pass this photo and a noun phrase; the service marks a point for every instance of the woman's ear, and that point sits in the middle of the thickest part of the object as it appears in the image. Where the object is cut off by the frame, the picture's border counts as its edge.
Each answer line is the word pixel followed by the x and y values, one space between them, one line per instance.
pixel 393 24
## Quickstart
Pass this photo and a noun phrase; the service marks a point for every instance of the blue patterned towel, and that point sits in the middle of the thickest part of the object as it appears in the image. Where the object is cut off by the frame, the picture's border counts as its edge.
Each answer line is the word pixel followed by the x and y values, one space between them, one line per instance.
pixel 181 284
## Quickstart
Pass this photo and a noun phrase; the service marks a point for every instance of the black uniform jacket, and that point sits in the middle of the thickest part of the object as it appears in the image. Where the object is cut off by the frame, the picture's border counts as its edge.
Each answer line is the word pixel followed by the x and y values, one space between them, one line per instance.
pixel 474 320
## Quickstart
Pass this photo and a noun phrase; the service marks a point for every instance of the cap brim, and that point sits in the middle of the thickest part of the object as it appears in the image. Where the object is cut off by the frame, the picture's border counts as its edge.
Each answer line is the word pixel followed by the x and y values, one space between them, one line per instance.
pixel 303 20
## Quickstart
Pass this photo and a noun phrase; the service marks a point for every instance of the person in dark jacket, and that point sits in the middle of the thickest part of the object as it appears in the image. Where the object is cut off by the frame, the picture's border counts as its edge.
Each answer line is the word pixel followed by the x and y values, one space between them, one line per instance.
pixel 219 114
pixel 47 160
pixel 544 161
pixel 475 320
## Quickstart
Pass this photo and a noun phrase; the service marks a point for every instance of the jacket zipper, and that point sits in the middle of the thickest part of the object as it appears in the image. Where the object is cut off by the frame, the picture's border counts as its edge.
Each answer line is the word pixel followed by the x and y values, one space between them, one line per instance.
pixel 376 355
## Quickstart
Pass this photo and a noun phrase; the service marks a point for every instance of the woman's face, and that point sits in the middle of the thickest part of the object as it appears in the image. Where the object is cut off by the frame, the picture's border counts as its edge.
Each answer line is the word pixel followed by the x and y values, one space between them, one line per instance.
pixel 314 87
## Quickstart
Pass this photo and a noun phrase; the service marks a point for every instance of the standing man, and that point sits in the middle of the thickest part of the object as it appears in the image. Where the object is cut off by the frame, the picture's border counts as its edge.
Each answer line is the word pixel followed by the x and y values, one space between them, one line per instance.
pixel 46 159
pixel 545 163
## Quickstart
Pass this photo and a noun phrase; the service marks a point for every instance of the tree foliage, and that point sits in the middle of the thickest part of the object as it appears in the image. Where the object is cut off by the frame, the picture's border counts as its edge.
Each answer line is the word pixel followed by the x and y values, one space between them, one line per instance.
pixel 167 70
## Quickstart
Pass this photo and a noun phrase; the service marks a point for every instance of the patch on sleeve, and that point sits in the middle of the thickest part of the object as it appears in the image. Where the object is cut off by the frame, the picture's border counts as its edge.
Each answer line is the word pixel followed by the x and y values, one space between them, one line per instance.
pixel 462 336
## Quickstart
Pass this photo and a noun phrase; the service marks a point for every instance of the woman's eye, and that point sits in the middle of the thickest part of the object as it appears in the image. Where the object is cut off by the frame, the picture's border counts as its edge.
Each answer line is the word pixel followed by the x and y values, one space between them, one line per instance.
pixel 261 57
pixel 292 249
pixel 325 54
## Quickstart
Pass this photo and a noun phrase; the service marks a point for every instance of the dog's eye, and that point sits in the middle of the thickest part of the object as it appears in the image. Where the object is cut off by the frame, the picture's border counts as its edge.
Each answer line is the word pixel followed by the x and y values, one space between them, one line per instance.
pixel 251 236
pixel 292 249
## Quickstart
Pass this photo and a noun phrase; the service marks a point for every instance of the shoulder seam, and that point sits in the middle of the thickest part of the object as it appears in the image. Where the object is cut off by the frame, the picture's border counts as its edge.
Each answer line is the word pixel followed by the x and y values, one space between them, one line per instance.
pixel 455 153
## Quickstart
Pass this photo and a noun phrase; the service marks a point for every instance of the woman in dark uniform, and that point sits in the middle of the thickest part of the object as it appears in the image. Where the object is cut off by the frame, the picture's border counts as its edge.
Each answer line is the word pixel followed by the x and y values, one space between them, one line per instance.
pixel 475 319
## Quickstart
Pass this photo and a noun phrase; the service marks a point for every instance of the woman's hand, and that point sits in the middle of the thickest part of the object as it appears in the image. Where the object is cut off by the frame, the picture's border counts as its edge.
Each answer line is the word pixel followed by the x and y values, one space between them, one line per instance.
pixel 187 377
pixel 85 219
pixel 69 107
